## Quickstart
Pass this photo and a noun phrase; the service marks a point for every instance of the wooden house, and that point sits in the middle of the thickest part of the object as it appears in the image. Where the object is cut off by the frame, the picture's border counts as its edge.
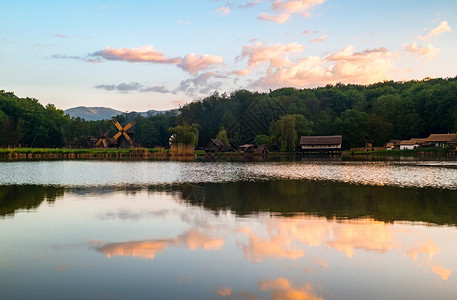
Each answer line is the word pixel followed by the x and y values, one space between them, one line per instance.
pixel 214 146
pixel 411 144
pixel 393 145
pixel 246 148
pixel 321 144
pixel 439 140
pixel 261 149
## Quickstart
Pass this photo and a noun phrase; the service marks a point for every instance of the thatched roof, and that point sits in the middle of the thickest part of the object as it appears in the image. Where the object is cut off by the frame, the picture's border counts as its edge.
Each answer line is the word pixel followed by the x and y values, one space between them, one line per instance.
pixel 441 137
pixel 413 142
pixel 217 142
pixel 321 140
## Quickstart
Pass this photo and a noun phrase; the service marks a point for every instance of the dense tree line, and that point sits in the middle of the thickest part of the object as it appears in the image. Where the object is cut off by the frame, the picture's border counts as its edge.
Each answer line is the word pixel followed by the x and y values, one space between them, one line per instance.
pixel 374 113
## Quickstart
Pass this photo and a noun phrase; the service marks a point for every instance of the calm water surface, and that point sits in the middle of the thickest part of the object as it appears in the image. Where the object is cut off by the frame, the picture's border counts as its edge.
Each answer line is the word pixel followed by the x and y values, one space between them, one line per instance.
pixel 174 230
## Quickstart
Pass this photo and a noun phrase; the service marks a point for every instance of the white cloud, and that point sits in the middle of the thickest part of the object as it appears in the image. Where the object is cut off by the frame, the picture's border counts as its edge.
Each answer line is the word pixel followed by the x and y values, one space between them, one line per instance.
pixel 427 53
pixel 441 28
pixel 194 63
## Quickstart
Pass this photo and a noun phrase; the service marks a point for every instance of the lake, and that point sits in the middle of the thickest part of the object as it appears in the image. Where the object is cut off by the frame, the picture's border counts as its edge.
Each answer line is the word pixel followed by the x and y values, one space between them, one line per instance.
pixel 305 229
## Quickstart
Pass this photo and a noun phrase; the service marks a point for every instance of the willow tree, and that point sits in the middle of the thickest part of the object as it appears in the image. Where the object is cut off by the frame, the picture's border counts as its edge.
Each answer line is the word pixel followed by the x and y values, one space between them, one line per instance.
pixel 184 138
pixel 283 133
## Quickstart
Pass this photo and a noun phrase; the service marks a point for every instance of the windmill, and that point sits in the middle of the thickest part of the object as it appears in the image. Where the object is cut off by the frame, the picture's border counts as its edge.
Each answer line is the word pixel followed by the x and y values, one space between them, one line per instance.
pixel 103 140
pixel 123 137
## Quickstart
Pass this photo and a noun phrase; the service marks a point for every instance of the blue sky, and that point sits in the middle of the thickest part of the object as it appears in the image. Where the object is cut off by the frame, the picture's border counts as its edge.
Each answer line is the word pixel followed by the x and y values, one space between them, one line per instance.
pixel 140 55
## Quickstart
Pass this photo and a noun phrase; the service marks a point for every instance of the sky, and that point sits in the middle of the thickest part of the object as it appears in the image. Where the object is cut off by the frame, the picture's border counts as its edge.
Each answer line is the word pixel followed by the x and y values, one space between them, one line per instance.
pixel 141 55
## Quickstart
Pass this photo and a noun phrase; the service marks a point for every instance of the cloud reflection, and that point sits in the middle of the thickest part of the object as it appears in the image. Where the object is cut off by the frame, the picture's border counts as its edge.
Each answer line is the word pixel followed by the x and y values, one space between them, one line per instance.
pixel 192 240
pixel 281 288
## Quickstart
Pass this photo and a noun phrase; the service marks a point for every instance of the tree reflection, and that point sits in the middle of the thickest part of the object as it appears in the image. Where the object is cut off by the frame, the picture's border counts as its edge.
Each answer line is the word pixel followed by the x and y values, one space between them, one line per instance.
pixel 16 197
pixel 328 199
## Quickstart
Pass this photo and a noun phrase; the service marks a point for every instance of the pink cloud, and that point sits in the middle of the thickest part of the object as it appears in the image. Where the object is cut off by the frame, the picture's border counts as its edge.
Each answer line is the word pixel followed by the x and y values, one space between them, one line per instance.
pixel 275 55
pixel 285 8
pixel 319 39
pixel 277 19
pixel 441 28
pixel 142 54
pixel 194 63
pixel 427 53
pixel 225 10
pixel 344 66
pixel 295 6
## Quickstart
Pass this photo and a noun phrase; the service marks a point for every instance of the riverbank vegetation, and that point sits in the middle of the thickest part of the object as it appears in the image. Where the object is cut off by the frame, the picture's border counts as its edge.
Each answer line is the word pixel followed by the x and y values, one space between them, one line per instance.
pixel 375 113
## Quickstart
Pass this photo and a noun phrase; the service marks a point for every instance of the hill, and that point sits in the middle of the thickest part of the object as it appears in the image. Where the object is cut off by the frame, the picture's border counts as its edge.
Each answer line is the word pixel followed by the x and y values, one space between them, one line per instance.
pixel 92 113
pixel 104 113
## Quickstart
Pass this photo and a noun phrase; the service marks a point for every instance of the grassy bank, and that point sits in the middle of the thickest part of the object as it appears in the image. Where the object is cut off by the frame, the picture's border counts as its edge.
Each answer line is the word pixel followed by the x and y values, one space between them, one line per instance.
pixel 109 153
pixel 413 152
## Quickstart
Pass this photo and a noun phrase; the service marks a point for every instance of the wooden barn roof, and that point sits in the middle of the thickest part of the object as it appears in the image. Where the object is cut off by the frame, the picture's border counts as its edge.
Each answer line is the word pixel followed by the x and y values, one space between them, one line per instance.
pixel 321 140
pixel 441 137
pixel 217 142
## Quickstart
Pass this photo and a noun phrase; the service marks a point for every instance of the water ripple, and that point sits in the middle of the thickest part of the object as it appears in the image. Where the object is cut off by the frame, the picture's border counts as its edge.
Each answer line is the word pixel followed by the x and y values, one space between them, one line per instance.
pixel 112 173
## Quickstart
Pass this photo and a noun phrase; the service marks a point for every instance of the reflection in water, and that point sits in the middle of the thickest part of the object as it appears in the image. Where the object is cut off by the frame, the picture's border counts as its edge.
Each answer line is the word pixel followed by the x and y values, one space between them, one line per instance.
pixel 246 240
pixel 329 199
pixel 193 239
pixel 15 197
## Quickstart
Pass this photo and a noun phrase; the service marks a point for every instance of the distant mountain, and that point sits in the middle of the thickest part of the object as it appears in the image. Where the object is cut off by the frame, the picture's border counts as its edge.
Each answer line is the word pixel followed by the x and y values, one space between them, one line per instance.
pixel 92 113
pixel 103 113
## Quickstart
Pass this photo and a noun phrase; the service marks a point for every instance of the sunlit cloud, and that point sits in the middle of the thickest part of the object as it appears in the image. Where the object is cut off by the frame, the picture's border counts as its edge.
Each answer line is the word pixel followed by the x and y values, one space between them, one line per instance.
pixel 345 66
pixel 142 54
pixel 282 18
pixel 281 288
pixel 277 55
pixel 285 8
pixel 426 53
pixel 441 28
pixel 194 63
pixel 225 10
pixel 319 39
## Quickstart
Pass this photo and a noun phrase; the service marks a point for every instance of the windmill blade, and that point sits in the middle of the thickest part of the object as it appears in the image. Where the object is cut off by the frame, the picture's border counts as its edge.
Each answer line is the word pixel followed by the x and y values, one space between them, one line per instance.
pixel 105 145
pixel 116 123
pixel 129 125
pixel 117 135
pixel 98 142
pixel 128 138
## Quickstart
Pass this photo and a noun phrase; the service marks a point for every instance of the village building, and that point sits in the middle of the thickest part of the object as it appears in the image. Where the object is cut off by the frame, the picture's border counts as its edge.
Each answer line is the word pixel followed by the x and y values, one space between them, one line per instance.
pixel 411 144
pixel 246 148
pixel 321 144
pixel 214 146
pixel 393 145
pixel 261 149
pixel 439 140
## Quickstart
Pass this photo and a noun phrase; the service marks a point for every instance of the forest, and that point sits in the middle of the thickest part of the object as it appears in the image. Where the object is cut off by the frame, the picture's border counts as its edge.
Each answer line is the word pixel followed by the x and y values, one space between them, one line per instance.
pixel 373 113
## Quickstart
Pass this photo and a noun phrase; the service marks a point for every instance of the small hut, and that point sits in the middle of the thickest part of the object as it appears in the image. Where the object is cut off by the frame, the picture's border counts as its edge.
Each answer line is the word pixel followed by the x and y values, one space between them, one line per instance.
pixel 214 146
pixel 261 149
pixel 246 148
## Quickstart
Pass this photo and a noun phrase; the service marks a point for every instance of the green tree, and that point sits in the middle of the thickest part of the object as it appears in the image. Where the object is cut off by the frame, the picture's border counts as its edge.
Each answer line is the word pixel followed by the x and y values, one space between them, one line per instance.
pixel 184 134
pixel 222 136
pixel 262 140
pixel 283 134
